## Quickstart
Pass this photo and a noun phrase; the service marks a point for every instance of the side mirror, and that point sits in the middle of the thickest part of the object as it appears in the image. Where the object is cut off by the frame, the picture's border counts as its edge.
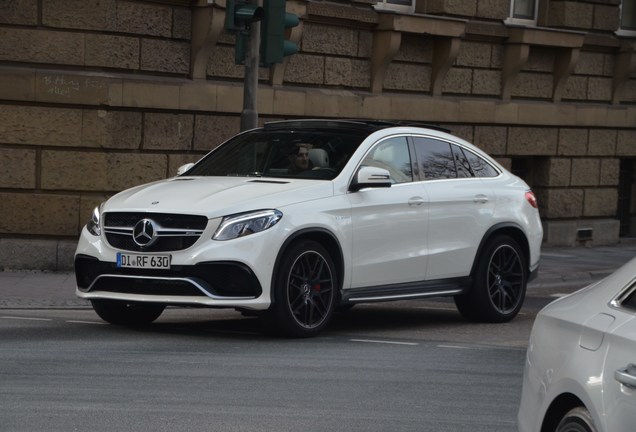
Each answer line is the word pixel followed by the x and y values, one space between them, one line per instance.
pixel 370 177
pixel 184 168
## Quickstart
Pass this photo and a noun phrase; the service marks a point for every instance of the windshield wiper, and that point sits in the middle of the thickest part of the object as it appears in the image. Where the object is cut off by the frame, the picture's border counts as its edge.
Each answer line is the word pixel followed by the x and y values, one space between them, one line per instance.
pixel 251 174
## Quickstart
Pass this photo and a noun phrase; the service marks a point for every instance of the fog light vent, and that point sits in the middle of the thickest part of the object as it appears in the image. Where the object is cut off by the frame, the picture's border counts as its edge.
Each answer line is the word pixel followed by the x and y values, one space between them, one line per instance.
pixel 584 234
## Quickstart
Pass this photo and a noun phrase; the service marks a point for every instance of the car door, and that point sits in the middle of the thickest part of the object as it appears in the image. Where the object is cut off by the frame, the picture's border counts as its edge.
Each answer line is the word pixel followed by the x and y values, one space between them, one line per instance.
pixel 461 207
pixel 389 225
pixel 620 370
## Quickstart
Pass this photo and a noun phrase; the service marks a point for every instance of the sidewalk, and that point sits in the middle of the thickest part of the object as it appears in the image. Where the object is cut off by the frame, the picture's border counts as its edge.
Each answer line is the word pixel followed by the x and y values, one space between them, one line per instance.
pixel 562 270
pixel 26 289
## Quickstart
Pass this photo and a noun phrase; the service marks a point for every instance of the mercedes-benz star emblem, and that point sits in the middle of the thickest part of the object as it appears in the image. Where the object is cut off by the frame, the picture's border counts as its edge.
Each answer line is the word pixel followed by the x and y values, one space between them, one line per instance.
pixel 145 233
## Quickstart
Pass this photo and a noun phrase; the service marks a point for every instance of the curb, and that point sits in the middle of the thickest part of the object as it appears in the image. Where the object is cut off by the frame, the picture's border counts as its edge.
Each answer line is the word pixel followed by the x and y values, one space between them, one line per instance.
pixel 30 304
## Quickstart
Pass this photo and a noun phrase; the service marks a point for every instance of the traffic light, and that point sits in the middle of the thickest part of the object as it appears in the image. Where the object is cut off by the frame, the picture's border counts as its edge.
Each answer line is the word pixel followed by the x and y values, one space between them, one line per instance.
pixel 273 44
pixel 239 14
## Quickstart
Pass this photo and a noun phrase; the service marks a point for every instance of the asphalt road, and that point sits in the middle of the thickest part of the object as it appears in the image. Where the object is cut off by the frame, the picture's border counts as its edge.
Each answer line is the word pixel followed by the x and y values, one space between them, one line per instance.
pixel 413 366
pixel 404 366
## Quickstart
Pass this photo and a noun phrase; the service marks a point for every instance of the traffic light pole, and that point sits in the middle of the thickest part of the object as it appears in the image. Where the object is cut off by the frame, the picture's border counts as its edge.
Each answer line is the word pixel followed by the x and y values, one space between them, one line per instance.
pixel 243 19
pixel 249 115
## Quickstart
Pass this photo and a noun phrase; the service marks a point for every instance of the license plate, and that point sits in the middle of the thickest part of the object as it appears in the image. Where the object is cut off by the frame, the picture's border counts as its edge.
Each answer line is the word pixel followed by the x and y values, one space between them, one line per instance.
pixel 143 261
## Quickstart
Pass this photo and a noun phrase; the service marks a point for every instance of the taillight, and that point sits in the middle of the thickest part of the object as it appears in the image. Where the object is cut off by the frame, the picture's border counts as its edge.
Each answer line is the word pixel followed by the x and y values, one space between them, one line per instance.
pixel 532 199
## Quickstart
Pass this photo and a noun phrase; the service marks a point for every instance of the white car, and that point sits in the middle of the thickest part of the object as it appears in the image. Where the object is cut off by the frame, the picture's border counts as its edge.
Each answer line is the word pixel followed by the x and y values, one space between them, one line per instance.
pixel 580 372
pixel 298 218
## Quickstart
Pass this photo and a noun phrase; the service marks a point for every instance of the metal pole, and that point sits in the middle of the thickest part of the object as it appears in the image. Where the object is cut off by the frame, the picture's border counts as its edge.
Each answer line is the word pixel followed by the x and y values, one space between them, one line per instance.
pixel 249 115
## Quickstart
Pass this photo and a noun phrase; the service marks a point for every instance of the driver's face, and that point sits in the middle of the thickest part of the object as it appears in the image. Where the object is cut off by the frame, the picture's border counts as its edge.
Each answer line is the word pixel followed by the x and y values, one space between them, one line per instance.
pixel 301 159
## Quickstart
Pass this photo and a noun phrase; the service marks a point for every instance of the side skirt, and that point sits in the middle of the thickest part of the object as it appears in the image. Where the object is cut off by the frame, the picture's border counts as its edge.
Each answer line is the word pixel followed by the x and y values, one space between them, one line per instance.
pixel 412 290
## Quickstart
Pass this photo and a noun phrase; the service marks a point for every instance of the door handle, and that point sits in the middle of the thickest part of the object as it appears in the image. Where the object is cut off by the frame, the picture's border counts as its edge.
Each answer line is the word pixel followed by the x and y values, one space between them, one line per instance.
pixel 480 199
pixel 627 376
pixel 416 201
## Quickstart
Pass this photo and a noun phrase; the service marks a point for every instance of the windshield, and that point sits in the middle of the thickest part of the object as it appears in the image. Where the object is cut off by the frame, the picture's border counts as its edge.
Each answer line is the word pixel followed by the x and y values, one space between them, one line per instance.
pixel 307 154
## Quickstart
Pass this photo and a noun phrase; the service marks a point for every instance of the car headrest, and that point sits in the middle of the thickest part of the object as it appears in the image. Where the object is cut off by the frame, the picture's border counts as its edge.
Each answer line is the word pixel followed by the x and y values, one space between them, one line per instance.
pixel 319 157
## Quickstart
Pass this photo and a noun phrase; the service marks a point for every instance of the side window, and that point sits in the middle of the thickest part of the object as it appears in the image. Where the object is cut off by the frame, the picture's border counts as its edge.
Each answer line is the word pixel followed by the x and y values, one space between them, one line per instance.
pixel 480 167
pixel 435 158
pixel 461 163
pixel 392 155
pixel 630 301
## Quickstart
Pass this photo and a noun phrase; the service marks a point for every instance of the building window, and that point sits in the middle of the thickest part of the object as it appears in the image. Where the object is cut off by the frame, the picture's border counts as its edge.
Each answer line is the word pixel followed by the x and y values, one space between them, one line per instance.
pixel 525 168
pixel 628 15
pixel 523 12
pixel 406 6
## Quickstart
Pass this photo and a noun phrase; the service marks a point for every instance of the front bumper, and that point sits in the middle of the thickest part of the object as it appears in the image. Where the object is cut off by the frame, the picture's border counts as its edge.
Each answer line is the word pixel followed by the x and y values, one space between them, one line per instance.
pixel 232 274
pixel 198 284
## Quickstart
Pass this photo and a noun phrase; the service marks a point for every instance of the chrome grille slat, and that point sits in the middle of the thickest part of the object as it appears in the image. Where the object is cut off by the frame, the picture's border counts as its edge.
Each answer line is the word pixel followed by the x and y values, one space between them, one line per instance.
pixel 174 231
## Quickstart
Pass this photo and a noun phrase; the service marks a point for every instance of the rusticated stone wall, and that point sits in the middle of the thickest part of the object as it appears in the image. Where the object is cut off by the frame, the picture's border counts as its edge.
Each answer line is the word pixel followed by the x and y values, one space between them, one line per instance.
pixel 100 95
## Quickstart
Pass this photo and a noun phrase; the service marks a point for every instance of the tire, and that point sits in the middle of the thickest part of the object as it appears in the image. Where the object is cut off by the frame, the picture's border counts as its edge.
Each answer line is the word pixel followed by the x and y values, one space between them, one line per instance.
pixel 577 420
pixel 305 290
pixel 127 313
pixel 499 283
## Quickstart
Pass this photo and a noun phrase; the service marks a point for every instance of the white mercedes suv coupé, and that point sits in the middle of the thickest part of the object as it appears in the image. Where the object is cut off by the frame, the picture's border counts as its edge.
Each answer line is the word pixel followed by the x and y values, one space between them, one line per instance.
pixel 298 218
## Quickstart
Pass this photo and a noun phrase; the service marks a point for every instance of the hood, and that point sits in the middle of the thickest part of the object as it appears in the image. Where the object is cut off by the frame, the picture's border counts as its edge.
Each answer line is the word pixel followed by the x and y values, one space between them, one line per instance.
pixel 217 196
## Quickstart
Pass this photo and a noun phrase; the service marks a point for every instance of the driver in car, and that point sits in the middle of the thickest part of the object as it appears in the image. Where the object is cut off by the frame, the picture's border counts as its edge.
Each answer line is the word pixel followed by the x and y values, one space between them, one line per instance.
pixel 299 158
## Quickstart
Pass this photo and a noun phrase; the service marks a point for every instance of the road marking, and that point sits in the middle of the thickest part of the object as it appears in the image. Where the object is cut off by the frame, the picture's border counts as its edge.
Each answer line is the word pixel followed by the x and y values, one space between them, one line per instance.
pixel 26 318
pixel 384 342
pixel 455 347
pixel 85 322
pixel 556 255
pixel 558 295
pixel 433 308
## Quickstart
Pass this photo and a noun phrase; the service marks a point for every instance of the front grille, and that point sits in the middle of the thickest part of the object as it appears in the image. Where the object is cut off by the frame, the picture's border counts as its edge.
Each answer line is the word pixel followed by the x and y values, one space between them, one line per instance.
pixel 221 279
pixel 174 231
pixel 166 220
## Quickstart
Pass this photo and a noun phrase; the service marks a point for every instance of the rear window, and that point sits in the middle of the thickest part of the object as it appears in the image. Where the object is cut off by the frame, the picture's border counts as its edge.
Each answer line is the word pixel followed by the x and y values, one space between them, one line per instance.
pixel 480 167
pixel 442 160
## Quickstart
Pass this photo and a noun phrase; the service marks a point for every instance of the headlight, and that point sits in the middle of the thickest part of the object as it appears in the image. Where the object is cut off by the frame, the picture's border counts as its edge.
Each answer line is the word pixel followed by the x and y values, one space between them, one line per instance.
pixel 93 225
pixel 246 223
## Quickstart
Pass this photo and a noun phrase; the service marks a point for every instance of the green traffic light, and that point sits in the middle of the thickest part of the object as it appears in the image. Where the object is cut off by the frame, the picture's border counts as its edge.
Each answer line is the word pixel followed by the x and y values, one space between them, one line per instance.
pixel 291 20
pixel 289 48
pixel 274 46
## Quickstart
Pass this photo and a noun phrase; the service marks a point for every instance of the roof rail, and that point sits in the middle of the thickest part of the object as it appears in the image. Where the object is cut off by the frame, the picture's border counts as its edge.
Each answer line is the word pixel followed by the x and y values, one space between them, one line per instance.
pixel 394 123
pixel 350 124
pixel 319 123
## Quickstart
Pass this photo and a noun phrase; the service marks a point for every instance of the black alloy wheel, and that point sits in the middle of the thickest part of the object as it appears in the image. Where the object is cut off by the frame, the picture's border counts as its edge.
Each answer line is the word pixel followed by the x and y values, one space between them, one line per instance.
pixel 499 285
pixel 505 279
pixel 305 291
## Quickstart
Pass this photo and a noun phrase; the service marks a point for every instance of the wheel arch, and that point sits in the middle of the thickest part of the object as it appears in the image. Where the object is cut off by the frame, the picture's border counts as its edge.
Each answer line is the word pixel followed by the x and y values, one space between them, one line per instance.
pixel 320 235
pixel 559 408
pixel 506 228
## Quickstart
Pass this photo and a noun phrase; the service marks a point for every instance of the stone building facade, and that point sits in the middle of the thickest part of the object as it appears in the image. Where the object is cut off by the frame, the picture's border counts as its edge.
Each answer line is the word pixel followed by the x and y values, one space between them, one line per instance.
pixel 100 95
